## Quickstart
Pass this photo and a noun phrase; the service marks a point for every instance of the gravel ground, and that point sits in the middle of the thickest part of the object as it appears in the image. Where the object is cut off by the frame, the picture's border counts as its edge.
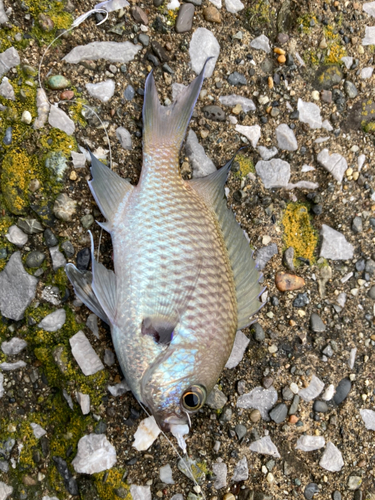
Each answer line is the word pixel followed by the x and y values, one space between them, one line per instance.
pixel 316 323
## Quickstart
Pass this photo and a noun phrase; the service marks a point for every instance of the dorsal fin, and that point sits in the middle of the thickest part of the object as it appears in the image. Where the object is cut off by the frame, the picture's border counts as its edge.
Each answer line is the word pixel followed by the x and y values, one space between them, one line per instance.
pixel 108 189
pixel 246 276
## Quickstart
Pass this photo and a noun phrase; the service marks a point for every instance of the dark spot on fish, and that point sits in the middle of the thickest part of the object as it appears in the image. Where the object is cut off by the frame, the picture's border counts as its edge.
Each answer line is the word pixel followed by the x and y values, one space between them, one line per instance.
pixel 160 329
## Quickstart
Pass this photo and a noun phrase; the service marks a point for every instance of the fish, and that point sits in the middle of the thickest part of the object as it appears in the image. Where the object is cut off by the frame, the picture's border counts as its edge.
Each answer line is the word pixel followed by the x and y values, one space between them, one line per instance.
pixel 184 278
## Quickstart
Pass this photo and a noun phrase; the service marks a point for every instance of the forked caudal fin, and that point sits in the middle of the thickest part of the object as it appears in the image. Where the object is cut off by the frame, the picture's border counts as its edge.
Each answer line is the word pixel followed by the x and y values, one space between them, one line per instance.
pixel 166 125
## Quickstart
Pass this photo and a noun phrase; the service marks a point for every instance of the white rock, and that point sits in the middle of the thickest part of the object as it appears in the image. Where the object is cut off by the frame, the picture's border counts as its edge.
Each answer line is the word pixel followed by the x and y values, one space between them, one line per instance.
pixel 1 385
pixel 326 125
pixel 303 185
pixel 353 353
pixel 119 389
pixel 177 496
pixel 238 350
pixel 266 153
pixel 232 119
pixel 57 118
pixel 367 73
pixel 261 43
pixel 26 117
pixel 102 90
pixel 84 402
pixel 369 36
pixel 252 133
pixel 13 346
pixel 54 321
pixel 92 324
pixel 166 474
pixel 203 44
pixel 177 88
pixel 220 470
pixel 43 106
pixel 68 399
pixel 301 62
pixel 335 164
pixel 234 6
pixel 285 138
pixel 123 135
pixel 309 113
pixel 146 434
pixel 341 299
pixel 49 498
pixel 368 417
pixel 16 236
pixel 173 5
pixel 265 446
pixel 332 459
pixel 37 430
pixel 361 160
pixel 241 471
pixel 334 245
pixel 348 61
pixel 313 390
pixel 217 3
pixel 116 52
pixel 95 454
pixel 200 162
pixel 319 140
pixel 8 59
pixel 3 17
pixel 233 99
pixel 5 491
pixel 310 443
pixel 140 492
pixel 307 168
pixel 112 5
pixel 259 399
pixel 84 354
pixel 274 173
pixel 369 8
pixel 9 367
pixel 78 159
pixel 328 393
pixel 6 89
pixel 57 257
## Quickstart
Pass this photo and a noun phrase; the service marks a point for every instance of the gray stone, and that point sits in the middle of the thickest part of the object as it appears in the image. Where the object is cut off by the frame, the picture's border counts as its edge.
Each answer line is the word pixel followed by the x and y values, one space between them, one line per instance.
pixel 220 470
pixel 5 491
pixel 258 332
pixel 9 367
pixel 369 38
pixel 216 399
pixel 259 399
pixel 342 391
pixel 102 90
pixel 42 108
pixel 368 417
pixel 17 288
pixel 294 406
pixel 370 267
pixel 288 258
pixel 310 443
pixel 185 16
pixel 57 118
pixel 115 52
pixel 287 394
pixel 58 259
pixel 251 133
pixel 240 430
pixel 54 321
pixel 214 113
pixel 327 76
pixel 226 416
pixel 119 389
pixel 203 44
pixel 8 136
pixel 16 236
pixel 265 446
pixel 274 173
pixel 332 459
pixel 311 490
pixel 84 354
pixel 328 351
pixel 261 43
pixel 3 17
pixel 264 255
pixel 279 413
pixel 165 474
pixel 129 93
pixel 241 471
pixel 320 406
pixel 316 323
pixel 13 346
pixel 335 164
pixel 313 390
pixel 92 324
pixel 334 245
pixel 286 139
pixel 35 259
pixel 64 208
pixel 200 162
pixel 6 90
pixel 51 294
pixel 38 431
pixel 87 221
pixel 30 226
pixel 123 135
pixel 267 153
pixel 109 357
pixel 84 402
pixel 354 482
pixel 348 61
pixel 68 249
pixel 357 225
pixel 309 113
pixel 350 89
pixel 233 99
pixel 237 79
pixel 78 159
pixel 94 454
pixel 144 39
pixel 238 350
pixel 371 292
pixel 8 59
pixel 49 238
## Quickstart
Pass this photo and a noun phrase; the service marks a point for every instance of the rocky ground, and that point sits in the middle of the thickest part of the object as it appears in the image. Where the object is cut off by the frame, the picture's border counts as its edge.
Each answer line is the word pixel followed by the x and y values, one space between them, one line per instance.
pixel 293 413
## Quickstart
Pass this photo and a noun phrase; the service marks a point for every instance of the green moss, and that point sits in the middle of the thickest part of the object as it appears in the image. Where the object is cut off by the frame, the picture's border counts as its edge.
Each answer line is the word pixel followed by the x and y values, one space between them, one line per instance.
pixel 246 166
pixel 304 22
pixel 368 127
pixel 298 231
pixel 260 13
pixel 107 482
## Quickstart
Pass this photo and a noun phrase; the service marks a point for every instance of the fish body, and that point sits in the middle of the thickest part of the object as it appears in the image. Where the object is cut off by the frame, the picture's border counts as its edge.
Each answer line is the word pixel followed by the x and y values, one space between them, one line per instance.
pixel 184 279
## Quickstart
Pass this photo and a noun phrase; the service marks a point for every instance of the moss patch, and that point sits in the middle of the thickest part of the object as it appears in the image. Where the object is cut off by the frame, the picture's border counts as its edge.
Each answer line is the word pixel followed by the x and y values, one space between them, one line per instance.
pixel 298 232
pixel 246 166
pixel 109 482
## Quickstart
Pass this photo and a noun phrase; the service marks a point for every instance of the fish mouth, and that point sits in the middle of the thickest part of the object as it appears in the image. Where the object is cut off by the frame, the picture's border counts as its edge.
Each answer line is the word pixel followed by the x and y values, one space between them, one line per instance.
pixel 174 420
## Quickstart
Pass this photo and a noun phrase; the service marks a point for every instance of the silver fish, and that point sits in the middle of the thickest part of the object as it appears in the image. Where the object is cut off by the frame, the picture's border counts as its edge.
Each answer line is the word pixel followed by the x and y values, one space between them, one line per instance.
pixel 184 279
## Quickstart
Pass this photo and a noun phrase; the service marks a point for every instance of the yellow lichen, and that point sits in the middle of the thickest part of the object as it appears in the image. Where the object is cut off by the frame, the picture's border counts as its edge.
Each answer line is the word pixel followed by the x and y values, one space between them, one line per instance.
pixel 298 231
pixel 261 12
pixel 107 482
pixel 369 127
pixel 334 53
pixel 246 166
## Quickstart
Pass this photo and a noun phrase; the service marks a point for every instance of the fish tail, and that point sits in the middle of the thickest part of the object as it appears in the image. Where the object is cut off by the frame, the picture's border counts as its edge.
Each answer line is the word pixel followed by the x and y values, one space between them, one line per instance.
pixel 166 125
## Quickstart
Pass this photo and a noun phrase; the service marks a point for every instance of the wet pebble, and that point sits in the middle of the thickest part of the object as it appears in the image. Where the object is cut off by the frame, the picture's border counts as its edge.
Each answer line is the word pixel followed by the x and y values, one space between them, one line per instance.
pixel 316 323
pixel 311 490
pixel 286 282
pixel 342 391
pixel 301 300
pixel 279 413
pixel 57 82
pixel 258 332
pixel 83 259
pixel 185 16
pixel 129 93
pixel 35 259
pixel 68 249
pixel 320 406
pixel 49 238
pixel 237 79
pixel 8 136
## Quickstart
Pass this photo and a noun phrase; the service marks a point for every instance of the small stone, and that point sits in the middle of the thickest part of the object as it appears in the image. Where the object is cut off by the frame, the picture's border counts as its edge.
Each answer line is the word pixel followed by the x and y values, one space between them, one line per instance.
pixel 57 118
pixel 309 113
pixel 357 225
pixel 139 15
pixel 310 443
pixel 350 89
pixel 54 321
pixel 45 22
pixel 84 402
pixel 8 60
pixel 114 52
pixel 285 281
pixel 239 346
pixel 335 164
pixel 78 159
pixel 216 399
pixel 301 300
pixel 109 357
pixel 366 73
pixel 267 153
pixel 265 254
pixel 129 93
pixel 211 14
pixel 354 482
pixel 285 138
pixel 255 416
pixel 5 490
pixel 342 391
pixel 37 430
pixel 102 90
pixel 320 406
pixel 332 459
pixel 87 221
pixel 311 490
pixel 252 133
pixel 146 434
pixel 214 113
pixel 35 259
pixel 67 95
pixel 58 259
pixel 16 236
pixel 58 82
pixel 313 390
pixel 119 389
pixel 140 492
pixel 83 259
pixel 327 76
pixel 317 324
pixel 94 454
pixel 258 332
pixel 8 136
pixel 30 226
pixel 348 61
pixel 371 292
pixel 279 413
pixel 166 474
pixel 64 207
pixel 259 399
pixel 265 446
pixel 368 417
pixel 6 90
pixel 261 43
pixel 240 430
pixel 203 44
pixel 185 16
pixel 201 163
pixel 84 354
pixel 237 79
pixel 9 367
pixel 220 470
pixel 68 249
pixel 241 471
pixel 233 99
pixel 13 346
pixel 144 39
pixel 49 238
pixel 334 245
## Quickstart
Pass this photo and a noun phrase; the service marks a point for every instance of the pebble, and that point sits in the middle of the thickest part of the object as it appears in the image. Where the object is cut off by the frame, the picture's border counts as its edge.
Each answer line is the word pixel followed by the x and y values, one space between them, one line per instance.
pixel 141 492
pixel 84 354
pixel 109 357
pixel 316 323
pixel 233 100
pixel 165 474
pixel 57 82
pixel 261 43
pixel 43 107
pixel 301 300
pixel 139 15
pixel 239 347
pixel 255 416
pixel 68 249
pixel 102 90
pixel 84 402
pixel 264 255
pixel 366 73
pixel 16 236
pixel 237 79
pixel 310 490
pixel 320 406
pixel 92 324
pixel 342 391
pixel 335 164
pixel 64 207
pixel 285 138
pixel 144 39
pixel 35 259
pixel 129 93
pixel 70 482
pixel 310 443
pixel 147 432
pixel 214 113
pixel 258 332
pixel 87 221
pixel 54 321
pixel 267 153
pixel 371 292
pixel 357 225
pixel 58 259
pixel 45 22
pixel 265 446
pixel 119 389
pixel 185 16
pixel 220 470
pixel 30 226
pixel 94 454
pixel 286 282
pixel 5 490
pixel 279 413
pixel 8 59
pixel 211 14
pixel 67 95
pixel 313 390
pixel 6 90
pixel 368 417
pixel 57 118
pixel 350 89
pixel 203 44
pixel 216 400
pixel 332 458
pixel 288 258
pixel 7 140
pixel 49 238
pixel 334 245
pixel 17 288
pixel 259 399
pixel 38 431
pixel 201 164
pixel 309 113
pixel 354 482
pixel 234 6
pixel 240 430
pixel 114 52
pixel 13 346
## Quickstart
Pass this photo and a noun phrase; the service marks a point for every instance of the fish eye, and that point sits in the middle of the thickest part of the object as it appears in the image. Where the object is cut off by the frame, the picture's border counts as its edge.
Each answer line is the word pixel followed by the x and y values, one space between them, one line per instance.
pixel 194 398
